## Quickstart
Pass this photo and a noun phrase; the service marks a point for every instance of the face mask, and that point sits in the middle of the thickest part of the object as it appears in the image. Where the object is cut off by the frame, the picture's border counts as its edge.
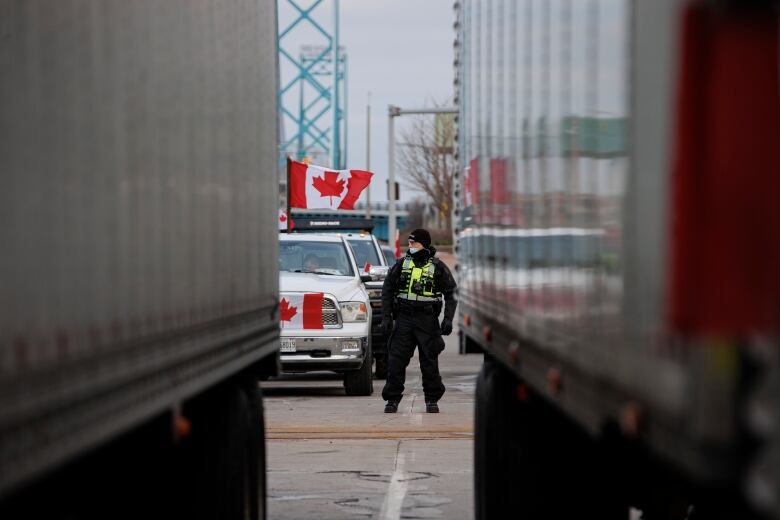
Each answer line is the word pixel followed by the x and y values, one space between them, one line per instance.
pixel 413 250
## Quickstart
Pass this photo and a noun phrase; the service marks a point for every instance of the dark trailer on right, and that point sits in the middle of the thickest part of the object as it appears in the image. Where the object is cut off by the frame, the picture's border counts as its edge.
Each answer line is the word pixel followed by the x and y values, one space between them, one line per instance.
pixel 618 248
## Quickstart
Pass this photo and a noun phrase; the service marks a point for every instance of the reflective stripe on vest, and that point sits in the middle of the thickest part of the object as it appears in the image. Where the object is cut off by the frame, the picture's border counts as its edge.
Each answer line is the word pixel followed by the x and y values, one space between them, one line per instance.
pixel 412 274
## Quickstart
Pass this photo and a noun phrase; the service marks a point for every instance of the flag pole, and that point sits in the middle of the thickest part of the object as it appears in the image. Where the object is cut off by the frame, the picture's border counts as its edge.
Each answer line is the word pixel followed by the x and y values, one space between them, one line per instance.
pixel 289 215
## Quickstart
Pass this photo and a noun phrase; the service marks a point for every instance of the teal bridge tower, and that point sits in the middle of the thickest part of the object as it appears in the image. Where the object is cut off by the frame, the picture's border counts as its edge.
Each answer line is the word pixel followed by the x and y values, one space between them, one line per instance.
pixel 313 86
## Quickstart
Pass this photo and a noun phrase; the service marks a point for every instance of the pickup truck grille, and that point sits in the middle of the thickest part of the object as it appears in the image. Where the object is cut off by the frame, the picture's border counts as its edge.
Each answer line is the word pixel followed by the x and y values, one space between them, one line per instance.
pixel 330 315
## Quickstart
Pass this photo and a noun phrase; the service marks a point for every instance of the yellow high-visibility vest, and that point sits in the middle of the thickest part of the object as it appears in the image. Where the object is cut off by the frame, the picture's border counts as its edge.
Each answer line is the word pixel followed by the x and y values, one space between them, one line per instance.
pixel 411 275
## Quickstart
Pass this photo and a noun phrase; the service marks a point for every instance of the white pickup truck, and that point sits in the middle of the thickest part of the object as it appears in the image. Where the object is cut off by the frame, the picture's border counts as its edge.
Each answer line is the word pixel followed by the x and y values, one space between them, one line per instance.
pixel 325 313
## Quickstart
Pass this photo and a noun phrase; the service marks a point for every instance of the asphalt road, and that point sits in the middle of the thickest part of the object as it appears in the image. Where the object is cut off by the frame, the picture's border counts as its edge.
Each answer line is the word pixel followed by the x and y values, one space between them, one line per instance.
pixel 331 456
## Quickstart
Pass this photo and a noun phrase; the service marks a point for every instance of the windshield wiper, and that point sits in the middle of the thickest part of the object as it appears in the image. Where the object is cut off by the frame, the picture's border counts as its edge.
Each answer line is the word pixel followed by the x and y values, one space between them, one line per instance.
pixel 317 272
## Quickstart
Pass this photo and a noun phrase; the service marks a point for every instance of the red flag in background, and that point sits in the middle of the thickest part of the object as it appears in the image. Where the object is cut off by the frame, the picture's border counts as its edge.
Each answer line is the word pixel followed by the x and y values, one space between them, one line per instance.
pixel 498 188
pixel 397 244
pixel 315 187
pixel 725 220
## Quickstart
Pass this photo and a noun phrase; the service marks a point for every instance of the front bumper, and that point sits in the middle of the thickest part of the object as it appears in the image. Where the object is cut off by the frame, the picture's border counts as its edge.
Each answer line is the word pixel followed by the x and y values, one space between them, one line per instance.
pixel 324 353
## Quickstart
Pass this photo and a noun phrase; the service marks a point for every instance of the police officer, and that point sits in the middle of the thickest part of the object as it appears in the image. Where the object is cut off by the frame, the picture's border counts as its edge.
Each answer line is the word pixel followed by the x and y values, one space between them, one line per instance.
pixel 414 289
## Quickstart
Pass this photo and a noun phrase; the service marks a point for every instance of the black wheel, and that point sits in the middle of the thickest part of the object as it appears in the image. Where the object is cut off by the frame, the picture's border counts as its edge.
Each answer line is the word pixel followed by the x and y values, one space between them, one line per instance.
pixel 531 460
pixel 496 436
pixel 256 448
pixel 223 461
pixel 381 366
pixel 361 381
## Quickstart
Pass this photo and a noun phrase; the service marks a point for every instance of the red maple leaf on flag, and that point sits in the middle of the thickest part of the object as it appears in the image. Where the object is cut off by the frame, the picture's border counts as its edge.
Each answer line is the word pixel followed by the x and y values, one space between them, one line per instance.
pixel 329 186
pixel 286 311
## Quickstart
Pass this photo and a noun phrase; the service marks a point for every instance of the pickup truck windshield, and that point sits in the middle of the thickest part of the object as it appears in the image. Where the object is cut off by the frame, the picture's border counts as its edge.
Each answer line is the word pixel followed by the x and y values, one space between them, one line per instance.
pixel 364 251
pixel 314 257
pixel 389 255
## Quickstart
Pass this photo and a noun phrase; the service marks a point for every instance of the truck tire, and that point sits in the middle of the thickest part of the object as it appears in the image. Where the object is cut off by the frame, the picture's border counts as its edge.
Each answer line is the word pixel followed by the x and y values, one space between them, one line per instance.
pixel 381 366
pixel 361 381
pixel 530 461
pixel 496 431
pixel 225 455
pixel 256 448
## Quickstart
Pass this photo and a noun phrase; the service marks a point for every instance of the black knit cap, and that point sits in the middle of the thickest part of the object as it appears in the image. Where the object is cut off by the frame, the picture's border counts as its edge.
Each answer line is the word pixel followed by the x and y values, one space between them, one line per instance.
pixel 421 236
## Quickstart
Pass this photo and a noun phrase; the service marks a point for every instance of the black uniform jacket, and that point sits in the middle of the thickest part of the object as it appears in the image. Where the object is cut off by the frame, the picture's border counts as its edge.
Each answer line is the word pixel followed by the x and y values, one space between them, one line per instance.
pixel 442 277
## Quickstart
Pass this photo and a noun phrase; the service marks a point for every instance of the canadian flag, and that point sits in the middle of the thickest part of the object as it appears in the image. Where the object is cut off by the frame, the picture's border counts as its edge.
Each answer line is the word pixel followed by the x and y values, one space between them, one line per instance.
pixel 301 311
pixel 499 194
pixel 315 187
pixel 283 220
pixel 397 244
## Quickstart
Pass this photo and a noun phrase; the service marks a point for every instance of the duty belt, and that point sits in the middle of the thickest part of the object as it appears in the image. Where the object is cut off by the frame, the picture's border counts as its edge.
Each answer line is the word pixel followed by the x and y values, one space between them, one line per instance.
pixel 411 307
pixel 418 298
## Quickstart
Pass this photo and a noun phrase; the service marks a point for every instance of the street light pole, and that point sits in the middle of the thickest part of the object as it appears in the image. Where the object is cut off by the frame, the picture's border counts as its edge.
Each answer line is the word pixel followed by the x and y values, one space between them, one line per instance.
pixel 392 112
pixel 368 154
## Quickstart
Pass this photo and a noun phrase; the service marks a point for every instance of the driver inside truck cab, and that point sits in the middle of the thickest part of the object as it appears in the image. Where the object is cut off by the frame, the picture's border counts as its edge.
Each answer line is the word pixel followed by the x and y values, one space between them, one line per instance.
pixel 311 263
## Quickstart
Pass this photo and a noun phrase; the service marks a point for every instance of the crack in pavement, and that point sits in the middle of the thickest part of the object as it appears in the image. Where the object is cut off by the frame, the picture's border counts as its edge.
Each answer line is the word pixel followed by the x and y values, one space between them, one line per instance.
pixel 382 477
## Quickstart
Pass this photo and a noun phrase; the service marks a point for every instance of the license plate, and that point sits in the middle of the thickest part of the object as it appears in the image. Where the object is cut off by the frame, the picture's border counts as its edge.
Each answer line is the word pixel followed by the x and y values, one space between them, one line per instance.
pixel 288 345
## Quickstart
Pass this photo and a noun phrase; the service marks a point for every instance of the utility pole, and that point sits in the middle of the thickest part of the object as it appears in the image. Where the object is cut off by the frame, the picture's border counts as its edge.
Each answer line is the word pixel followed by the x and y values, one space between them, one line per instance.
pixel 393 112
pixel 368 153
pixel 335 140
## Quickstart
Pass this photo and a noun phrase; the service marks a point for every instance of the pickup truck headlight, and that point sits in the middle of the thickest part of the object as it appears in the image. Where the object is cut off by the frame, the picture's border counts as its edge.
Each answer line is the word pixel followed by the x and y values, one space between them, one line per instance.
pixel 354 311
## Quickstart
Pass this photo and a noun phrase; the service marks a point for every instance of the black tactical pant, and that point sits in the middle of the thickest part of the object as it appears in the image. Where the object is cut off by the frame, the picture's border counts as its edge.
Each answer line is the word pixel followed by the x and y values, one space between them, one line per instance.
pixel 414 329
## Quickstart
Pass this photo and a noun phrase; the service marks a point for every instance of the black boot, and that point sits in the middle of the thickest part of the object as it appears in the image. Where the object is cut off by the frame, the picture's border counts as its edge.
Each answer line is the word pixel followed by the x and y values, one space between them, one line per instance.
pixel 391 407
pixel 431 407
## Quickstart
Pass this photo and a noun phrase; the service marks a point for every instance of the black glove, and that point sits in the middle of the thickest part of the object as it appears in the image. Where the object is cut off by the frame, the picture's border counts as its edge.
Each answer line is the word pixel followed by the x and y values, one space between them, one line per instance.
pixel 446 327
pixel 387 325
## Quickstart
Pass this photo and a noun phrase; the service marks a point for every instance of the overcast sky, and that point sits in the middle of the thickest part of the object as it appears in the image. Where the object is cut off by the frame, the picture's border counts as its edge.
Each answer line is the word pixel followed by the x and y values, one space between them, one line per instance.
pixel 400 51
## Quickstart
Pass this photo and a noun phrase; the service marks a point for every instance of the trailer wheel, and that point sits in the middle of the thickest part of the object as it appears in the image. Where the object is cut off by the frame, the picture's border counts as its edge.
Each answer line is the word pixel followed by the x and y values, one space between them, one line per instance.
pixel 224 459
pixel 361 381
pixel 495 443
pixel 530 460
pixel 256 449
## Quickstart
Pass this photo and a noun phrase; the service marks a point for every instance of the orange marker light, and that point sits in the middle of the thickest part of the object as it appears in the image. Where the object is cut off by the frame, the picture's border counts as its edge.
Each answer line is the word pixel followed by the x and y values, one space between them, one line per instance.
pixel 182 427
pixel 522 392
pixel 631 418
pixel 554 381
pixel 514 353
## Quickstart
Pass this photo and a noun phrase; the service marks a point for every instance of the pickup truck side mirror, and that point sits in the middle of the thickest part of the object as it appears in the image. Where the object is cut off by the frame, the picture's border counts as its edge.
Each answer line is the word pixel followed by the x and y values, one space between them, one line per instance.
pixel 378 272
pixel 366 277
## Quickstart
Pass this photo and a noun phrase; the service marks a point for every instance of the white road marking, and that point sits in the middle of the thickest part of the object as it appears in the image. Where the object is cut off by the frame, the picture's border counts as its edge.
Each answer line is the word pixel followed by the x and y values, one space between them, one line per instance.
pixel 411 406
pixel 298 497
pixel 396 490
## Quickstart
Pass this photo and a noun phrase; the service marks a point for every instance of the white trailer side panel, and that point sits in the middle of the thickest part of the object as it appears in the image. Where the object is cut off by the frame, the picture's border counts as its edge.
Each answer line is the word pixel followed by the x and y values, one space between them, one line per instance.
pixel 138 188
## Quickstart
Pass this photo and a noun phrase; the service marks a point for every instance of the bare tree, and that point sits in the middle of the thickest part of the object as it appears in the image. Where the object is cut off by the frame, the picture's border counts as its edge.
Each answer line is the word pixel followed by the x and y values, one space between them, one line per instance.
pixel 426 160
pixel 416 214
